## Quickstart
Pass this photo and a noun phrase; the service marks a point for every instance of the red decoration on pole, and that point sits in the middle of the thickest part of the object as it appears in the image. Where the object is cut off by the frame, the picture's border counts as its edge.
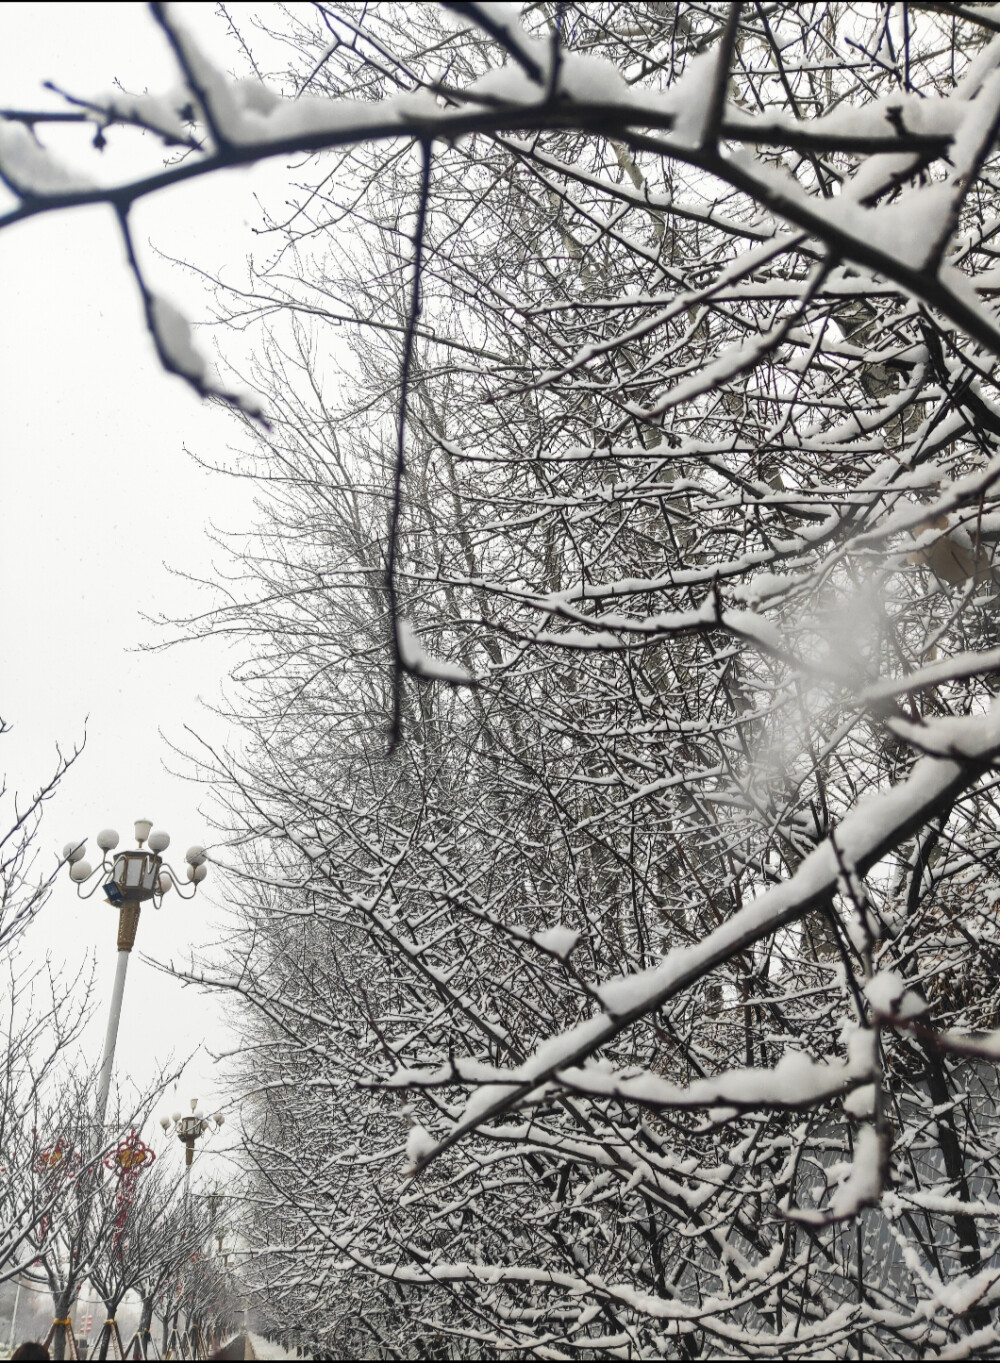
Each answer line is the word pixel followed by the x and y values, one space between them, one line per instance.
pixel 52 1164
pixel 127 1161
pixel 51 1160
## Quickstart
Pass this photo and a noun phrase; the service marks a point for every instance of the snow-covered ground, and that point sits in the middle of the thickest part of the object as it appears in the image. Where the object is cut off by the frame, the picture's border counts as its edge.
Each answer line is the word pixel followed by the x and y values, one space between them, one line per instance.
pixel 267 1348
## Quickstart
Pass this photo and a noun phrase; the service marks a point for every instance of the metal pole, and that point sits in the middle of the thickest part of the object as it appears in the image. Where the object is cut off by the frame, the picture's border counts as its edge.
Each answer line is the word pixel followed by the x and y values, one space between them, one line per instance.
pixel 13 1319
pixel 111 1037
pixel 128 922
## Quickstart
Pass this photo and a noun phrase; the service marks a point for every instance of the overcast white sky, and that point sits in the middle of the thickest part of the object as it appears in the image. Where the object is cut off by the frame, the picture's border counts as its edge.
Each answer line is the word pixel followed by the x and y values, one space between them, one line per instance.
pixel 98 496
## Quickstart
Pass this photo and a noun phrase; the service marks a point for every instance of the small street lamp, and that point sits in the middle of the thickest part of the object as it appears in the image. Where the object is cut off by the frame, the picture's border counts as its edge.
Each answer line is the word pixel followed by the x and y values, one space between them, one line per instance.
pixel 128 879
pixel 188 1130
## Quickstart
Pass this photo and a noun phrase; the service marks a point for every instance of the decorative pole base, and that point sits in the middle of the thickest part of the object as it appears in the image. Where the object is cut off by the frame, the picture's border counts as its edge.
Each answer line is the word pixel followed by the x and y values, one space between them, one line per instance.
pixel 128 923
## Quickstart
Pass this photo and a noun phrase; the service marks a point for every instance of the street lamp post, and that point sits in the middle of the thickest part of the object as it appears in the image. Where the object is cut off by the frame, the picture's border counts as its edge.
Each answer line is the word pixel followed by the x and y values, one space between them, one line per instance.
pixel 128 879
pixel 13 1318
pixel 188 1130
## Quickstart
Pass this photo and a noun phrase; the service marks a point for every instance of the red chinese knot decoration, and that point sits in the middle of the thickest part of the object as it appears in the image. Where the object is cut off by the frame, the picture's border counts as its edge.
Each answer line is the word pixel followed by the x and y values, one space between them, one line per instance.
pixel 52 1164
pixel 56 1160
pixel 127 1161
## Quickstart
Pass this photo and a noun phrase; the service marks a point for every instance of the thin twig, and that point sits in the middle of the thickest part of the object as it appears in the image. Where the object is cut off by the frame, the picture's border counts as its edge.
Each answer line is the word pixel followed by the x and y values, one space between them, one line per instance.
pixel 720 85
pixel 398 666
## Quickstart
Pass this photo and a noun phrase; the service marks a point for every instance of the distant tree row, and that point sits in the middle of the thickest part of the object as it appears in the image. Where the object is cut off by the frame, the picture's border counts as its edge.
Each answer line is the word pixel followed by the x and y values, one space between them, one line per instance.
pixel 70 1217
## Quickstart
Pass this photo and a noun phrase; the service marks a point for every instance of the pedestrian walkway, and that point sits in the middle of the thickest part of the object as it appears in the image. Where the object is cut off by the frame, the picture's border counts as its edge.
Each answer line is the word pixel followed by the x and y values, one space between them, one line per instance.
pixel 247 1345
pixel 268 1349
pixel 239 1347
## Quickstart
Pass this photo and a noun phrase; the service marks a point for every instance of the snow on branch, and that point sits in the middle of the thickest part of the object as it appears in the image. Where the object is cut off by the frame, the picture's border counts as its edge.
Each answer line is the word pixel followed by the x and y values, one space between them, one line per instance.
pixel 876 825
pixel 421 664
pixel 796 1082
pixel 228 122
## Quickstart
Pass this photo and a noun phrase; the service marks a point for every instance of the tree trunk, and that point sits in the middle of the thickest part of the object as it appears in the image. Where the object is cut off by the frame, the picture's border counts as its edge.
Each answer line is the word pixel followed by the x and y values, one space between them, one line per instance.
pixel 111 1307
pixel 62 1304
pixel 145 1328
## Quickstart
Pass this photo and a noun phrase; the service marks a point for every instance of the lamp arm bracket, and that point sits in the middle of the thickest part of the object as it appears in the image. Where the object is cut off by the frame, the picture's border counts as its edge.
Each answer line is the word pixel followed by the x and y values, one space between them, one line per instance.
pixel 105 869
pixel 178 883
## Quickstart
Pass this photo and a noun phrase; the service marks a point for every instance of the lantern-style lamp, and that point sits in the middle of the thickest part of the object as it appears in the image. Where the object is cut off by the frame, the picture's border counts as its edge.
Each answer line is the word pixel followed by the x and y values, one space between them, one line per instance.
pixel 129 879
pixel 190 1129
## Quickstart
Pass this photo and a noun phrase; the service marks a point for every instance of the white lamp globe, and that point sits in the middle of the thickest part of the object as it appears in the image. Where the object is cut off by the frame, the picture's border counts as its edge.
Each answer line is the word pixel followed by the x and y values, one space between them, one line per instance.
pixel 158 840
pixel 199 872
pixel 164 882
pixel 219 1118
pixel 195 855
pixel 165 1122
pixel 73 851
pixel 176 1116
pixel 107 839
pixel 80 871
pixel 142 827
pixel 199 1116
